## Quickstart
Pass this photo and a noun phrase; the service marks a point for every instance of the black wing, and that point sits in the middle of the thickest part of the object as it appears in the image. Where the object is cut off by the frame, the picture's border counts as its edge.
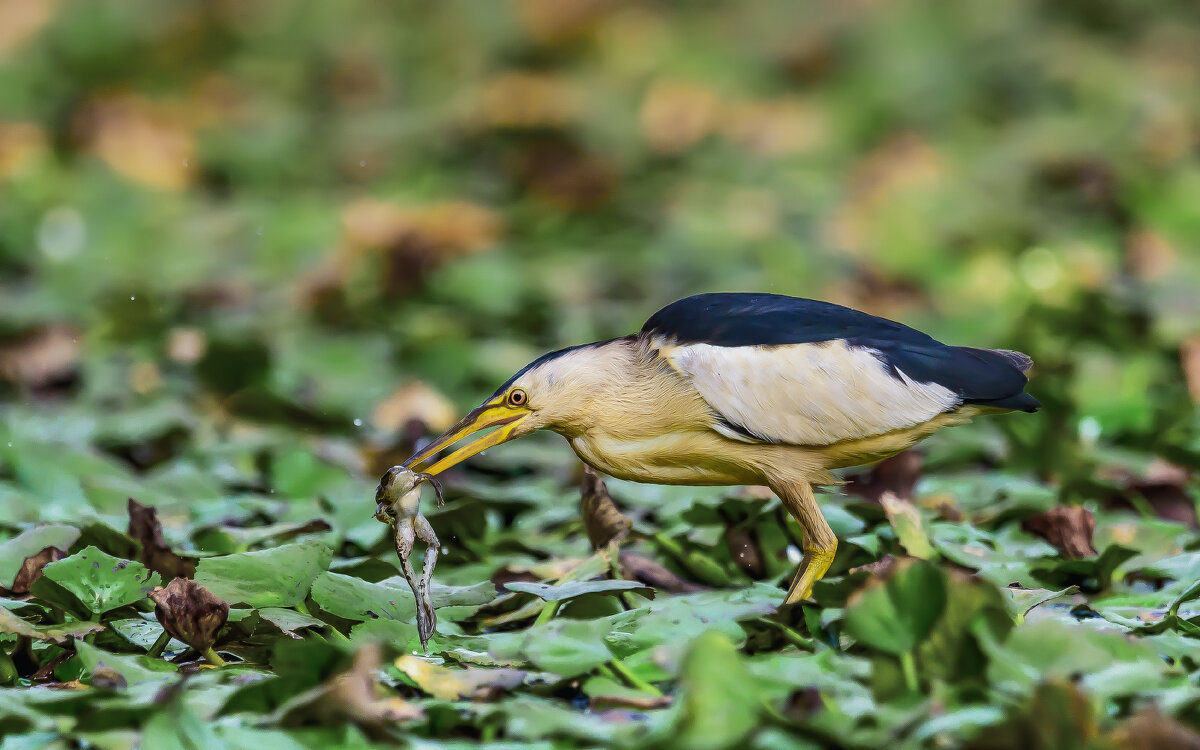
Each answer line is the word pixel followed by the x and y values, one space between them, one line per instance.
pixel 980 376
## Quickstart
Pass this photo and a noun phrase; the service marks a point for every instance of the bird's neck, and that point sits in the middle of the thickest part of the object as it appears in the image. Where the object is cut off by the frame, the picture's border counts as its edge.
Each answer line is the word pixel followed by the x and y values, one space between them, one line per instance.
pixel 625 391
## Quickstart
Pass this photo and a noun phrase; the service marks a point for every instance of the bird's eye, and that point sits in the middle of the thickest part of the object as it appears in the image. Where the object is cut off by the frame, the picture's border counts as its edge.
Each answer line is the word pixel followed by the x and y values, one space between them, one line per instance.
pixel 517 397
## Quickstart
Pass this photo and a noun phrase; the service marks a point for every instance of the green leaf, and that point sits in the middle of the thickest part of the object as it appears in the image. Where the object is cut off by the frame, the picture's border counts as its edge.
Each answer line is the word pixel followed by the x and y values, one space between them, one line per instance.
pixel 356 599
pixel 279 577
pixel 134 669
pixel 564 591
pixel 14 551
pixel 10 623
pixel 289 620
pixel 906 521
pixel 720 703
pixel 896 614
pixel 567 647
pixel 100 581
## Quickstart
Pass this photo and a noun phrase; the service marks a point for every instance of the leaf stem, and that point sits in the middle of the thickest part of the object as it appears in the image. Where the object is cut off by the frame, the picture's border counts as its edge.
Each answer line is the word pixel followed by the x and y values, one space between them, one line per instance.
pixel 8 670
pixel 632 679
pixel 160 645
pixel 213 657
pixel 547 613
pixel 909 665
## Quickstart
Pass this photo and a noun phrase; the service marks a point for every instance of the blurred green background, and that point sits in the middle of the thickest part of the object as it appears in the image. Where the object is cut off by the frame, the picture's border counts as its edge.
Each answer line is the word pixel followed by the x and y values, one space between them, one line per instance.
pixel 371 193
pixel 251 253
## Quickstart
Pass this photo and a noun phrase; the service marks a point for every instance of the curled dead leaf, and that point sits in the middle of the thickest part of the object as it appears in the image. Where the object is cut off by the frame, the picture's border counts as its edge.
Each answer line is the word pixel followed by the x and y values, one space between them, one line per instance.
pixel 555 21
pixel 418 401
pixel 605 522
pixel 1069 529
pixel 149 142
pixel 1189 354
pixel 776 127
pixel 636 702
pixel 676 116
pixel 519 99
pixel 190 612
pixel 145 528
pixel 654 574
pixel 107 677
pixel 31 569
pixel 20 142
pixel 41 358
pixel 22 20
pixel 898 475
pixel 353 694
pixel 1149 728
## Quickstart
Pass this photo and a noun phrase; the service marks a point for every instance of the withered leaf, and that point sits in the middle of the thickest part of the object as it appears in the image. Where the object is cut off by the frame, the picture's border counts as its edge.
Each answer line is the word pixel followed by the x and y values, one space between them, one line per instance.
pixel 1069 529
pixel 190 612
pixel 31 569
pixel 655 574
pixel 605 522
pixel 146 529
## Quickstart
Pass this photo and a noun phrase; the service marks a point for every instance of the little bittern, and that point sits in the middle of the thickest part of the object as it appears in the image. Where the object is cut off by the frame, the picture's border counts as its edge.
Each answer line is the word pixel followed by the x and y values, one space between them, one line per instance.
pixel 722 389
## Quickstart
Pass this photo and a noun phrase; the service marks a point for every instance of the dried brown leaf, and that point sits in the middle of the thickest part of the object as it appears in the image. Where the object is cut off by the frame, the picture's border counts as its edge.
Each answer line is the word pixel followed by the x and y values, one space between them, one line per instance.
pixel 653 573
pixel 31 569
pixel 415 401
pixel 1068 528
pixel 1149 729
pixel 1189 353
pixel 41 357
pixel 149 142
pixel 604 521
pixel 190 612
pixel 898 475
pixel 353 694
pixel 145 528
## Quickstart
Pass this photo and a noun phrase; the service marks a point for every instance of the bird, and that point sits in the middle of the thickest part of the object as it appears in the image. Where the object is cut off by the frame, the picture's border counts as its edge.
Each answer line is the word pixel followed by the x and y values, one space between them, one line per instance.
pixel 746 389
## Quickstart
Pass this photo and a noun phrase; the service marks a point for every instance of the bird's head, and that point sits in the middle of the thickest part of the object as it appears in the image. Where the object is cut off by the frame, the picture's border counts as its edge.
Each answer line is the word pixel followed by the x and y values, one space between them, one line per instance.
pixel 556 391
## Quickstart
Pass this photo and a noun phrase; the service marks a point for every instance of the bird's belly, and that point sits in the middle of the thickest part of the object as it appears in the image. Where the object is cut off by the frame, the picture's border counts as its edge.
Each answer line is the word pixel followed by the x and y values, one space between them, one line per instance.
pixel 689 458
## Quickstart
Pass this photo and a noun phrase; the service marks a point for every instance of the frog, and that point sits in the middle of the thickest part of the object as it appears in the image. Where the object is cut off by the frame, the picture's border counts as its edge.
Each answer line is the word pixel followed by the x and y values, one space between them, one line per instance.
pixel 398 504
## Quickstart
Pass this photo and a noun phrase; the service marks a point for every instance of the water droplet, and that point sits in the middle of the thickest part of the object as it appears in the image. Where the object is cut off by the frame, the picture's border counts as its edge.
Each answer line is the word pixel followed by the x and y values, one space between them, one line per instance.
pixel 358 423
pixel 794 554
pixel 132 298
pixel 259 231
pixel 445 550
pixel 362 163
pixel 10 445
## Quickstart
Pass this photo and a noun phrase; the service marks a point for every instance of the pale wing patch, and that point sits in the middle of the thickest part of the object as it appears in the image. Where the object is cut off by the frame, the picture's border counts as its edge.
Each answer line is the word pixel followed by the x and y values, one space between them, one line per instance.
pixel 808 394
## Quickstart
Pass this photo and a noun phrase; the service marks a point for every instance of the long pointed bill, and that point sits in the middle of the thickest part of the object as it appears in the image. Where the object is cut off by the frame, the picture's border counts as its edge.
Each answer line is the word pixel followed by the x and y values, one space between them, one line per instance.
pixel 494 413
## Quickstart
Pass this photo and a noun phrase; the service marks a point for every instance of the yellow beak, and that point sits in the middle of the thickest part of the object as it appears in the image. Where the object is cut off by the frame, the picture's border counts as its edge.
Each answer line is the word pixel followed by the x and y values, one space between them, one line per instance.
pixel 495 413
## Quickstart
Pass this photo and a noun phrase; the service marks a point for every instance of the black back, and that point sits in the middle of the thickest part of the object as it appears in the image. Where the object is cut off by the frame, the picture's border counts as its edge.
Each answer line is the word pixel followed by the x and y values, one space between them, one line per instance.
pixel 979 376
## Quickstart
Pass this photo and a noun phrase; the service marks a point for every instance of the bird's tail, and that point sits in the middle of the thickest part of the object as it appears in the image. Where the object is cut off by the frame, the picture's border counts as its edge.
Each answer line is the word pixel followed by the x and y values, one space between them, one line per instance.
pixel 1018 401
pixel 1019 360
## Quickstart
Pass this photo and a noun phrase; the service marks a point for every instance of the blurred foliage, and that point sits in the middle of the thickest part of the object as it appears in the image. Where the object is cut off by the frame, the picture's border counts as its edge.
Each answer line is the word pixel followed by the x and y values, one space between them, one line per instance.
pixel 251 253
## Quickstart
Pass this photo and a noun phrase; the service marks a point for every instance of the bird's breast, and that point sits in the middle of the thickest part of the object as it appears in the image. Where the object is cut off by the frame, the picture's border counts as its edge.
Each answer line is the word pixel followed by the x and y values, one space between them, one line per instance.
pixel 699 458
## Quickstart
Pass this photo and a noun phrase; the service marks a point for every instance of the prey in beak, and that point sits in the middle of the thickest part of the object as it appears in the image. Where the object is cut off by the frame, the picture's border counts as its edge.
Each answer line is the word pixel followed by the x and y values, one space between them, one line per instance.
pixel 504 412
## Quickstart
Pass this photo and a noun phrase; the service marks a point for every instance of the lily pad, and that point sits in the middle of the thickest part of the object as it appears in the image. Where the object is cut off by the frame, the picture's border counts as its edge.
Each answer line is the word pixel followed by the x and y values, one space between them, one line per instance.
pixel 894 615
pixel 279 577
pixel 100 581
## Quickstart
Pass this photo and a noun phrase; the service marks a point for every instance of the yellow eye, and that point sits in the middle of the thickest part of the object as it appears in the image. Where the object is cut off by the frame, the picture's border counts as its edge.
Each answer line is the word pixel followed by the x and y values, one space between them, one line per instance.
pixel 517 397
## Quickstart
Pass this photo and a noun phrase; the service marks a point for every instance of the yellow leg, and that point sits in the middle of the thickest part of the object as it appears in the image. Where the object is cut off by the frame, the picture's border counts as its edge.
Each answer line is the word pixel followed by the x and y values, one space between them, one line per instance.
pixel 820 543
